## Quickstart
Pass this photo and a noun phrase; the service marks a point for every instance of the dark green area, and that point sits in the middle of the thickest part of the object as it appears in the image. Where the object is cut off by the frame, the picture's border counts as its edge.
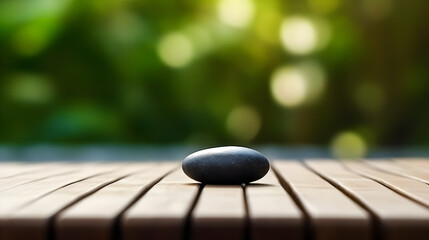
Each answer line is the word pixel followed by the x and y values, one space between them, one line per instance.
pixel 77 72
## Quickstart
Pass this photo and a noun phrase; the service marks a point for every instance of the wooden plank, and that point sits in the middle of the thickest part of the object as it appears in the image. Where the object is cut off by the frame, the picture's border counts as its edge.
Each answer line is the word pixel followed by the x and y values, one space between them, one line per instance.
pixel 397 217
pixel 33 221
pixel 36 173
pixel 14 198
pixel 220 213
pixel 391 166
pixel 421 164
pixel 8 169
pixel 272 212
pixel 95 217
pixel 411 188
pixel 331 214
pixel 42 171
pixel 162 212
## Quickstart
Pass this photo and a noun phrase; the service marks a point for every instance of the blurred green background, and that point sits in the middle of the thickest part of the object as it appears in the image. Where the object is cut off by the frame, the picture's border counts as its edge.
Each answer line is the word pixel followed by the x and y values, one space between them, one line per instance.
pixel 352 75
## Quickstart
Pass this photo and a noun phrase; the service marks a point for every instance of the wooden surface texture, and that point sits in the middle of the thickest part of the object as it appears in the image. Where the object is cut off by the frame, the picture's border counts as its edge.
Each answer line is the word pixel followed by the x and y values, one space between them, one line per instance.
pixel 321 199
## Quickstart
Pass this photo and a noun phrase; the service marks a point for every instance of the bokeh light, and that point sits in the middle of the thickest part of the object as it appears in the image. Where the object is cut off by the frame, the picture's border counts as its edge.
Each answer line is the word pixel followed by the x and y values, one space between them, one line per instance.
pixel 348 145
pixel 289 87
pixel 301 35
pixel 181 72
pixel 243 123
pixel 236 13
pixel 201 37
pixel 298 35
pixel 294 85
pixel 29 88
pixel 315 78
pixel 175 50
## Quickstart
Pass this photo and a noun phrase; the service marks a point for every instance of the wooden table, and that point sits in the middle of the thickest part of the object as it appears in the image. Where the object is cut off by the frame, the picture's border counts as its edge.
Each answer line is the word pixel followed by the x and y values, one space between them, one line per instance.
pixel 310 199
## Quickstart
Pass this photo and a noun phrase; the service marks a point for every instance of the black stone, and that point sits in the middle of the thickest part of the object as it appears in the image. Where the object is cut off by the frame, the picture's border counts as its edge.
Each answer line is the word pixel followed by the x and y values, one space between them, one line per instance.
pixel 226 165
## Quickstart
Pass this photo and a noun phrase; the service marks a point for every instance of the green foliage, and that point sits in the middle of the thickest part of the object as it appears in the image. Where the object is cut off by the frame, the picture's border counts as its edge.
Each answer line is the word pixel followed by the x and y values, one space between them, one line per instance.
pixel 133 71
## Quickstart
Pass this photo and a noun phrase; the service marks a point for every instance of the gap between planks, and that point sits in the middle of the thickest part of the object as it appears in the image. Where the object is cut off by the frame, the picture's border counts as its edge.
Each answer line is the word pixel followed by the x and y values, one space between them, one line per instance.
pixel 135 212
pixel 396 217
pixel 330 215
pixel 97 217
pixel 408 187
pixel 35 219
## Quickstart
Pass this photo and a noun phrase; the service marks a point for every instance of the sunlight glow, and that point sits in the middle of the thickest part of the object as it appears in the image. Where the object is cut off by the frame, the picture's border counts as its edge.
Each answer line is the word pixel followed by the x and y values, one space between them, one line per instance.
pixel 288 86
pixel 298 35
pixel 236 13
pixel 293 85
pixel 315 78
pixel 348 145
pixel 175 50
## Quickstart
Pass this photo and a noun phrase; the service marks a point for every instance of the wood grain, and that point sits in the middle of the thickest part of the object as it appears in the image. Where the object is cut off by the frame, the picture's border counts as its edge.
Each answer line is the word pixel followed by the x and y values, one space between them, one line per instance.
pixel 332 214
pixel 272 212
pixel 397 216
pixel 13 198
pixel 220 213
pixel 33 220
pixel 95 217
pixel 392 167
pixel 421 164
pixel 413 189
pixel 313 199
pixel 162 212
pixel 35 173
pixel 11 169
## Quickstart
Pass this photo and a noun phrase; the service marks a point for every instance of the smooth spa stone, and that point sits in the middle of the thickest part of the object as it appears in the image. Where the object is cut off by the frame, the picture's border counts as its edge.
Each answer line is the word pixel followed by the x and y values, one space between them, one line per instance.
pixel 226 165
